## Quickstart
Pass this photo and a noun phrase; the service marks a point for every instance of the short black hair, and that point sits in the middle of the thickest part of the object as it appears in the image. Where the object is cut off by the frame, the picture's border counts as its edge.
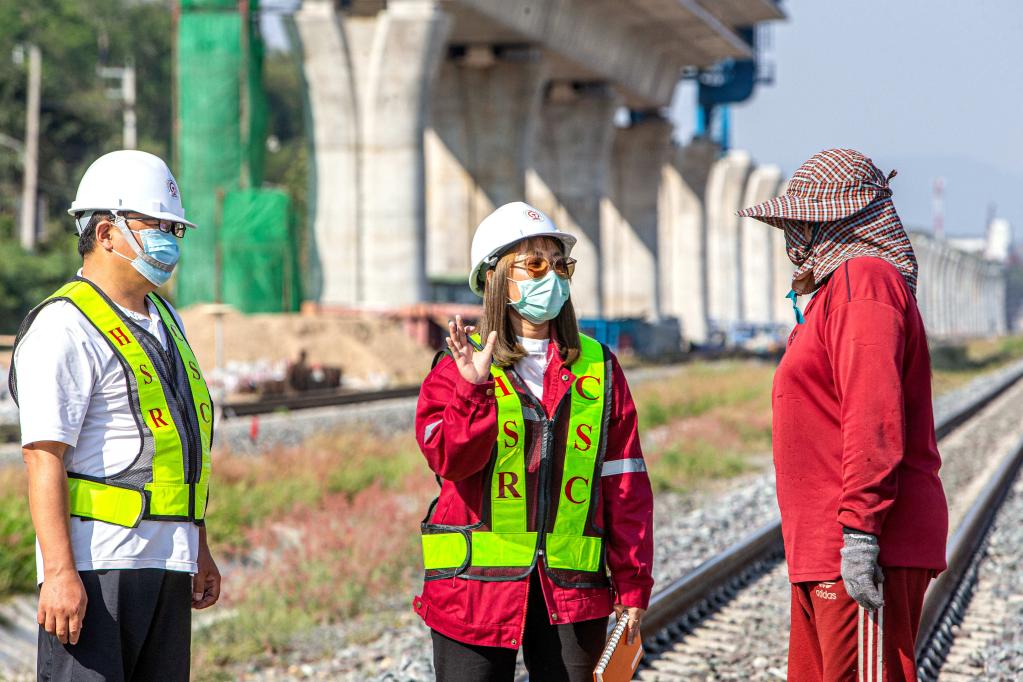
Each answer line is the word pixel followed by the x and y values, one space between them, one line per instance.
pixel 87 239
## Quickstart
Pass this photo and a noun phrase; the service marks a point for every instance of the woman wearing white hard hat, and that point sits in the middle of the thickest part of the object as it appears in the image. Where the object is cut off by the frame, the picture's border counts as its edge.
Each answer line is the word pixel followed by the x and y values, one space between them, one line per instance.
pixel 543 525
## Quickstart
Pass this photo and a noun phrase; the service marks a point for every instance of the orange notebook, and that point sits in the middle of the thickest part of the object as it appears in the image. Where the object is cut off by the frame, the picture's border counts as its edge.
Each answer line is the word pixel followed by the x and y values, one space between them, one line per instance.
pixel 620 659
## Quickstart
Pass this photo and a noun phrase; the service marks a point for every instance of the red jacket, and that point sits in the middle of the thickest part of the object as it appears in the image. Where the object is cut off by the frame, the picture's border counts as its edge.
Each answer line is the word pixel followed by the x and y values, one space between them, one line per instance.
pixel 854 440
pixel 456 428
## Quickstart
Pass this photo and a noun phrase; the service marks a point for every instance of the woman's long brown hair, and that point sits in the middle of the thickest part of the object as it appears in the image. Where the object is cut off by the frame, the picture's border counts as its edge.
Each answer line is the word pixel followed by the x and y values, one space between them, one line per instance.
pixel 497 315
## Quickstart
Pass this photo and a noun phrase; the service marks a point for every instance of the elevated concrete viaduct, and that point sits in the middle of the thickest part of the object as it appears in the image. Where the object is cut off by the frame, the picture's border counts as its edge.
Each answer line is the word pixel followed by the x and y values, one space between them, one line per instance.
pixel 428 114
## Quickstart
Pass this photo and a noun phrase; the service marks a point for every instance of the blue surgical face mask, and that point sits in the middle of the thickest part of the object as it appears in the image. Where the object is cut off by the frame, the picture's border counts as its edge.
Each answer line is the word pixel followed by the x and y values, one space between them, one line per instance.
pixel 156 258
pixel 541 299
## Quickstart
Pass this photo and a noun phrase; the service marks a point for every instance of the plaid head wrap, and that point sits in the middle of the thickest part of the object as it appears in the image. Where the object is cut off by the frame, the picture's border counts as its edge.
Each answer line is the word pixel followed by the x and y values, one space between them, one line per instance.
pixel 847 202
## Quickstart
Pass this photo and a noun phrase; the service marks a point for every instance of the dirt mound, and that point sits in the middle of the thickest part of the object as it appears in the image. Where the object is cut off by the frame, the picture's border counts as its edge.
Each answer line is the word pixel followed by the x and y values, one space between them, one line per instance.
pixel 371 351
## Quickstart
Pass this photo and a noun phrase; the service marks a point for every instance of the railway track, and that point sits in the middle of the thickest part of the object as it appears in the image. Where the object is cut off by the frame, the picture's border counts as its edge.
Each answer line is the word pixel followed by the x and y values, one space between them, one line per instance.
pixel 314 399
pixel 727 618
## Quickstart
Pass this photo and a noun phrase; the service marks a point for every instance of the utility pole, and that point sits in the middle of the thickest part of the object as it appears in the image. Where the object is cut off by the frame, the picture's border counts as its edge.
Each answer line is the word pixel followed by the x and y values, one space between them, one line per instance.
pixel 30 181
pixel 125 92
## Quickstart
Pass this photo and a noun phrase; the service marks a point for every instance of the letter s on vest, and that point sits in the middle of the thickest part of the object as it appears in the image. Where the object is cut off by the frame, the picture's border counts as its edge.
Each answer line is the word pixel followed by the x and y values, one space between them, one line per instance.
pixel 512 436
pixel 583 434
pixel 196 374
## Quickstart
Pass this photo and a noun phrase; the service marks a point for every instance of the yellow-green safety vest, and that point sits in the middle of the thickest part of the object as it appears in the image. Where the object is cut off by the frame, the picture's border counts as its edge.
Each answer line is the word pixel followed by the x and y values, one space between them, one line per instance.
pixel 169 480
pixel 508 543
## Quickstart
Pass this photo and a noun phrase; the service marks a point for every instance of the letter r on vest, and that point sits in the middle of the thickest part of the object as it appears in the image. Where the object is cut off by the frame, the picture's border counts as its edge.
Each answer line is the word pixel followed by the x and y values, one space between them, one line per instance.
pixel 156 415
pixel 503 484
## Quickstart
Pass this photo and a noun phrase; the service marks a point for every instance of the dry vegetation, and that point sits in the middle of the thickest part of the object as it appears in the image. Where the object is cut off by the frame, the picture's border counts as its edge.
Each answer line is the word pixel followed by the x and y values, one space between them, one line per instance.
pixel 325 531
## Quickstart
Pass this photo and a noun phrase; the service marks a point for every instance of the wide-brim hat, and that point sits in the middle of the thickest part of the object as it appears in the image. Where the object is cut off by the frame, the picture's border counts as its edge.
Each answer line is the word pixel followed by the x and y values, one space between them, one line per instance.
pixel 831 185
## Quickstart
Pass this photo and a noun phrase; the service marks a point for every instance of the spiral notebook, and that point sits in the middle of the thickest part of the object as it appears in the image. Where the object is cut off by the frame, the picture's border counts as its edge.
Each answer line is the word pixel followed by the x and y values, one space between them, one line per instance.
pixel 620 659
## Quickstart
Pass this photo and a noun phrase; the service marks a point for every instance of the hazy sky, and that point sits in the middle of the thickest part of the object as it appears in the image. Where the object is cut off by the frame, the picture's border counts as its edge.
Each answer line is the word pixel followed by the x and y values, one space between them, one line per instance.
pixel 929 87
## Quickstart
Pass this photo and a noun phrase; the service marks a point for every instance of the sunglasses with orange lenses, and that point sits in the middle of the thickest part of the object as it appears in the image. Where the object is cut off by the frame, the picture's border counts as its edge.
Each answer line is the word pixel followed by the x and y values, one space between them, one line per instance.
pixel 537 266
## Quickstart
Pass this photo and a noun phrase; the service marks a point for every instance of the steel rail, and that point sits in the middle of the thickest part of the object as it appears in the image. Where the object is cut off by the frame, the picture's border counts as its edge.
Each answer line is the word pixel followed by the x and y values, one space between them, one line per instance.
pixel 331 397
pixel 731 567
pixel 948 597
pixel 315 399
pixel 681 605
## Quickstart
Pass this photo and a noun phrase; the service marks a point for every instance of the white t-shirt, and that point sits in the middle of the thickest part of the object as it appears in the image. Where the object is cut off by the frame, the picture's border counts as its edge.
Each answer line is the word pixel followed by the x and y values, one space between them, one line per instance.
pixel 532 367
pixel 72 389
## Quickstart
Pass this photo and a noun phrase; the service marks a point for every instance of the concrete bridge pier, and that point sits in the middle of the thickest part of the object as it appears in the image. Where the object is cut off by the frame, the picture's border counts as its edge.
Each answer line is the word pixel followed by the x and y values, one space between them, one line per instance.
pixel 682 236
pixel 924 291
pixel 725 189
pixel 483 116
pixel 756 260
pixel 569 175
pixel 630 233
pixel 369 72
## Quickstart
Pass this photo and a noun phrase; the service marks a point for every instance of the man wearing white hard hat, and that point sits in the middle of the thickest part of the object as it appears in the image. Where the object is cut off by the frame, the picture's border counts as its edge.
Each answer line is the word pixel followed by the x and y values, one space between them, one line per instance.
pixel 116 426
pixel 544 521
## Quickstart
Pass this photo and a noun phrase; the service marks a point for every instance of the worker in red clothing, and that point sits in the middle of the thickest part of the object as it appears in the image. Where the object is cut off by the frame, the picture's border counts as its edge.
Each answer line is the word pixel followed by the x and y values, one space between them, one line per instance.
pixel 544 523
pixel 863 512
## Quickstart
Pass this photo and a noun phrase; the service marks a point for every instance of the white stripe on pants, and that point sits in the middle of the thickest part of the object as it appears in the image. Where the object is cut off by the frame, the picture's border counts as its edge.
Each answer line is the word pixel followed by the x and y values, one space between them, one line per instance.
pixel 870 658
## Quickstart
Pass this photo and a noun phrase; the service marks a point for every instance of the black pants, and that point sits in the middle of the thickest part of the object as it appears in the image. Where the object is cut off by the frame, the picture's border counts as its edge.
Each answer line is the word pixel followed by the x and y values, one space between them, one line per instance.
pixel 553 653
pixel 137 626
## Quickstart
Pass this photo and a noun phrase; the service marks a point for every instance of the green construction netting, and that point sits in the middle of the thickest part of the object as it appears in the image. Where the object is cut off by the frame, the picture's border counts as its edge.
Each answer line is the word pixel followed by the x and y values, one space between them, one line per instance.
pixel 220 140
pixel 260 260
pixel 209 4
pixel 209 139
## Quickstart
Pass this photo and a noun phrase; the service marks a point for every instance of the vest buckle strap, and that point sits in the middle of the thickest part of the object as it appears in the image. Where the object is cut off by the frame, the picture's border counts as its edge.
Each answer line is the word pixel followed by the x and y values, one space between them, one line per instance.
pixel 103 502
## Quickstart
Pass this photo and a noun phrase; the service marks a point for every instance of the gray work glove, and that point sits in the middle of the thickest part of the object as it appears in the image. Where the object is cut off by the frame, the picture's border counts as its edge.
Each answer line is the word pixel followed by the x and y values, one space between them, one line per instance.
pixel 860 572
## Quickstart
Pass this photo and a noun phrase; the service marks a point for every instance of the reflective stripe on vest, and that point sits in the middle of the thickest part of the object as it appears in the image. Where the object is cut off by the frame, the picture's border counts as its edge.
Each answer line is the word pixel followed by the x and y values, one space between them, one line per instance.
pixel 126 498
pixel 509 543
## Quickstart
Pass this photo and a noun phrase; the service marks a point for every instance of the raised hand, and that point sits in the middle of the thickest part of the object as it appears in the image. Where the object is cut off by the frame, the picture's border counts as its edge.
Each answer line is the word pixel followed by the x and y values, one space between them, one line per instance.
pixel 473 365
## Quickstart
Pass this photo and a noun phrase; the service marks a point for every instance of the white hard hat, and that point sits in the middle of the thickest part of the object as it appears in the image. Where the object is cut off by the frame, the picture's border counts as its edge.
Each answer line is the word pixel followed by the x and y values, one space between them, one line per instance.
pixel 130 180
pixel 507 225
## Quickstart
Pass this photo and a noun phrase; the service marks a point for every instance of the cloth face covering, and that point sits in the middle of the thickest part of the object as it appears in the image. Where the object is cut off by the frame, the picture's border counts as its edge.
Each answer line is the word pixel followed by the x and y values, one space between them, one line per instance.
pixel 874 231
pixel 156 258
pixel 541 299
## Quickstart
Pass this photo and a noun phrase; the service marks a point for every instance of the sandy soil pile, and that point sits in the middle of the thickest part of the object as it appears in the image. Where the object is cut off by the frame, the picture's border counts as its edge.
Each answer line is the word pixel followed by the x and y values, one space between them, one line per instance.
pixel 367 349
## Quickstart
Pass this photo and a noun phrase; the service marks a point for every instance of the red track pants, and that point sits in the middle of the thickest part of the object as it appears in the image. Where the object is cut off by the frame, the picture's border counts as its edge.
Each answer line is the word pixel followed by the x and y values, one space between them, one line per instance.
pixel 833 639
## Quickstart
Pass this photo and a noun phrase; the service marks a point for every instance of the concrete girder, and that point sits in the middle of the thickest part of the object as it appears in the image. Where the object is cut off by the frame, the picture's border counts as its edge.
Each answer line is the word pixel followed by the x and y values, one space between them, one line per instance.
pixel 371 77
pixel 725 187
pixel 631 278
pixel 640 45
pixel 569 176
pixel 478 147
pixel 682 236
pixel 741 13
pixel 755 256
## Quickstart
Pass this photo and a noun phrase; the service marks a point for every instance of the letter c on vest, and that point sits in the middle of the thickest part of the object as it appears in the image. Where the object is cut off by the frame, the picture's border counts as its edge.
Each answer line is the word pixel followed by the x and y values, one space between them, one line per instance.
pixel 579 387
pixel 568 489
